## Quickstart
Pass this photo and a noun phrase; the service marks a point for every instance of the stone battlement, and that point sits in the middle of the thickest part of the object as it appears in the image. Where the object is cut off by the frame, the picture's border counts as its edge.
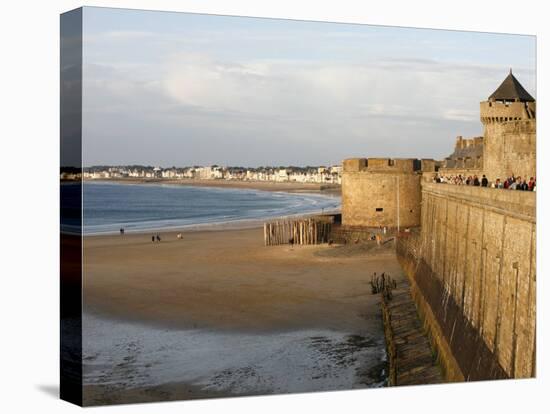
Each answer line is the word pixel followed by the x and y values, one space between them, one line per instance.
pixel 463 143
pixel 388 165
pixel 495 111
pixel 468 154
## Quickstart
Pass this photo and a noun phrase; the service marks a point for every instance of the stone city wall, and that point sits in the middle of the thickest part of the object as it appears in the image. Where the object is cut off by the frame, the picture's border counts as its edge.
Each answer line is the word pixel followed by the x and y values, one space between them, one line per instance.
pixel 472 269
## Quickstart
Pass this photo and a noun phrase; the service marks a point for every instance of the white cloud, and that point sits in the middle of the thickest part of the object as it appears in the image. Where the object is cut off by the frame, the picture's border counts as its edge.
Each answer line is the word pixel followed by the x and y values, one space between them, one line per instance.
pixel 285 90
pixel 277 109
pixel 461 115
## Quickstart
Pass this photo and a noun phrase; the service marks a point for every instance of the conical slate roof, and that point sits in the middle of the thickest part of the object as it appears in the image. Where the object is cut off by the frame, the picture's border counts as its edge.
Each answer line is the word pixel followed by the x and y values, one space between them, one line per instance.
pixel 511 90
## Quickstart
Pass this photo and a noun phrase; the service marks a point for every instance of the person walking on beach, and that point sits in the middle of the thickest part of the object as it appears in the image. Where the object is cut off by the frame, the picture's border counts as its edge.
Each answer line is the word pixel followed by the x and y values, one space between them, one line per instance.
pixel 121 231
pixel 158 238
pixel 153 239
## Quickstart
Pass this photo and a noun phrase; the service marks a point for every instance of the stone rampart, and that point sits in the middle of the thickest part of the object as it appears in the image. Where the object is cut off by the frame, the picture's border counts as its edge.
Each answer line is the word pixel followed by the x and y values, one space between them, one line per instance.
pixel 473 274
pixel 382 192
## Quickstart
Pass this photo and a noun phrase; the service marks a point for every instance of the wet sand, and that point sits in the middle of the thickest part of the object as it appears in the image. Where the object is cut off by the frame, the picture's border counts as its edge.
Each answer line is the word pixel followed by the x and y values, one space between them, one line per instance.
pixel 158 316
pixel 227 280
pixel 108 395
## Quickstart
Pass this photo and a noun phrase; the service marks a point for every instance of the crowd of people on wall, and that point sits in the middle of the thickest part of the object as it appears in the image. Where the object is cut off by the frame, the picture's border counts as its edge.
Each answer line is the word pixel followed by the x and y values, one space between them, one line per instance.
pixel 510 183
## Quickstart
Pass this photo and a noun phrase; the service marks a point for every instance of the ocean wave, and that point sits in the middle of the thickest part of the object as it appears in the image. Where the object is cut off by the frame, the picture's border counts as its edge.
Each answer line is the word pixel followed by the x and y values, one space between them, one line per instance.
pixel 137 208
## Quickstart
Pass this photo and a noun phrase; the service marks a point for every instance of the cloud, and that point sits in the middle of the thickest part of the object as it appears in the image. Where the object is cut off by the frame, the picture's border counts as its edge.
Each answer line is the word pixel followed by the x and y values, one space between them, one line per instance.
pixel 461 115
pixel 201 107
pixel 288 90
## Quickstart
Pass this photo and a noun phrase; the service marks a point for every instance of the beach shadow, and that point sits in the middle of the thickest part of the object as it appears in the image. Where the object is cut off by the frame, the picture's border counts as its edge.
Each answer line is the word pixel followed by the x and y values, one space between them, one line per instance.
pixel 49 389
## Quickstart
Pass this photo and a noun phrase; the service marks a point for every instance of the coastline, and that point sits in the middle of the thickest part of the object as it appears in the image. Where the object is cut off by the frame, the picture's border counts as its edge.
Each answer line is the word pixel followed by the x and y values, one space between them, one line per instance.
pixel 243 224
pixel 323 202
pixel 290 187
pixel 273 313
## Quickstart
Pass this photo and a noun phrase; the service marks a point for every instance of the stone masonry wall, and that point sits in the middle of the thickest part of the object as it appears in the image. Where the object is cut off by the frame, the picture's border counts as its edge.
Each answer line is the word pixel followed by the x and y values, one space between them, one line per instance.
pixel 510 148
pixel 370 199
pixel 372 190
pixel 473 265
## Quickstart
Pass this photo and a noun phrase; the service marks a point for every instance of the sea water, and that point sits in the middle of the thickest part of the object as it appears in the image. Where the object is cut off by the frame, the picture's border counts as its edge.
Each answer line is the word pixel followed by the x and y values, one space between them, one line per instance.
pixel 141 207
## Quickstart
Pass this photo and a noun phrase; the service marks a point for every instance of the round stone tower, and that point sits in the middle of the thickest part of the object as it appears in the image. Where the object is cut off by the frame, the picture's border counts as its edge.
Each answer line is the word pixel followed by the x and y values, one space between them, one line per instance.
pixel 509 136
pixel 381 192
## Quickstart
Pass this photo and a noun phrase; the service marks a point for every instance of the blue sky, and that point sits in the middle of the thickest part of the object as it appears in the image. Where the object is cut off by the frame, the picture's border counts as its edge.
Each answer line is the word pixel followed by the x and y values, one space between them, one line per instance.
pixel 182 89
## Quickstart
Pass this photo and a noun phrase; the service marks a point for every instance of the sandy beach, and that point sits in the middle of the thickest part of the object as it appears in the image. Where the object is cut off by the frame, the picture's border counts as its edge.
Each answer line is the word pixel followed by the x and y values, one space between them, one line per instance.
pixel 253 185
pixel 304 313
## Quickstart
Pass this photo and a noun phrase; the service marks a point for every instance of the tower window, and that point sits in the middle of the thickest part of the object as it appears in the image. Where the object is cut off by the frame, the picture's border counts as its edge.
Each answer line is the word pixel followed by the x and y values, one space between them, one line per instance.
pixel 379 209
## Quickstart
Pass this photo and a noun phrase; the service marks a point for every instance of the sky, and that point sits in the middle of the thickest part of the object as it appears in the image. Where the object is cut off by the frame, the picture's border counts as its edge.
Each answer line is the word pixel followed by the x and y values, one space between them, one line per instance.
pixel 177 89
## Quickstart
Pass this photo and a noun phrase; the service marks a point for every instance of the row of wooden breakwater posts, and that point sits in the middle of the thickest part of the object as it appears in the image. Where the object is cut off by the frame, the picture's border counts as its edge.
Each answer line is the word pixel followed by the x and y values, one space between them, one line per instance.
pixel 315 230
